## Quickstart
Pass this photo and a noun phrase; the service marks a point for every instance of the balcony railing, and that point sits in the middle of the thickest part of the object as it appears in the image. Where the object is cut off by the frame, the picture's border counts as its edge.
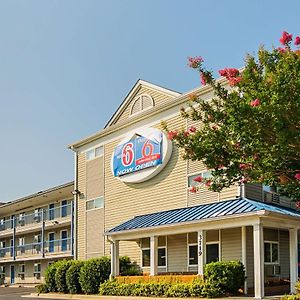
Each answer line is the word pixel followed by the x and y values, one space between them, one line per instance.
pixel 55 246
pixel 36 217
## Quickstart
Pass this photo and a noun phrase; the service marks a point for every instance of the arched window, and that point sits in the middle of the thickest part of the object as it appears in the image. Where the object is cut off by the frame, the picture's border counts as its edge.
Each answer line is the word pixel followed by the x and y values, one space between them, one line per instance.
pixel 141 103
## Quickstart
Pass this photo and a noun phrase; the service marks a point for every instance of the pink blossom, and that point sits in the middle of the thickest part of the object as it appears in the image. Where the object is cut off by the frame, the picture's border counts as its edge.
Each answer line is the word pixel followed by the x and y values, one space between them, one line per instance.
pixel 244 166
pixel 203 78
pixel 298 204
pixel 243 180
pixel 255 103
pixel 209 117
pixel 198 179
pixel 285 38
pixel 192 129
pixel 208 183
pixel 255 156
pixel 234 80
pixel 297 41
pixel 229 72
pixel 186 133
pixel 172 135
pixel 195 62
pixel 297 176
pixel 192 189
pixel 281 50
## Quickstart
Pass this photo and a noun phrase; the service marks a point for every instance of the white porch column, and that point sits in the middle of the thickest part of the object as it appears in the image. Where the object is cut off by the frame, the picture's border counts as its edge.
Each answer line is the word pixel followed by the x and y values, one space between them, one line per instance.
pixel 293 233
pixel 153 255
pixel 201 251
pixel 244 255
pixel 258 241
pixel 114 252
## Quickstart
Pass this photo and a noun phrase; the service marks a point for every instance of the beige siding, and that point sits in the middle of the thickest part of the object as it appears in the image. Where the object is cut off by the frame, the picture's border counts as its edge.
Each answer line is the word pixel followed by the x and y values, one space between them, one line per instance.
pixel 231 244
pixel 94 233
pixel 254 191
pixel 250 257
pixel 158 97
pixel 94 178
pixel 284 254
pixel 167 190
pixel 81 220
pixel 177 248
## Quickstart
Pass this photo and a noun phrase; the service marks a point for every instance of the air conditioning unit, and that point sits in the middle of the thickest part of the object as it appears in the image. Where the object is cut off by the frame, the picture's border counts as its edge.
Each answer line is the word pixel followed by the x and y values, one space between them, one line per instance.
pixel 21 276
pixel 271 197
pixel 37 275
pixel 37 218
pixel 21 222
pixel 22 249
pixel 2 227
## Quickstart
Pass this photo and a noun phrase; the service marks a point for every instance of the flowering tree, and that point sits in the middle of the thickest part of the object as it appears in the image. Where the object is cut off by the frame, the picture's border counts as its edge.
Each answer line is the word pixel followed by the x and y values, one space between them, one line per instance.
pixel 249 132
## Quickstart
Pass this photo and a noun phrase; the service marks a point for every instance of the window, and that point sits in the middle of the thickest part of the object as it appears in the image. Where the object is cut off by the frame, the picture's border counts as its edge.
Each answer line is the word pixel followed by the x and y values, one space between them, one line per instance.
pixel 95 203
pixel 21 268
pixel 212 252
pixel 64 240
pixel 141 103
pixel 94 153
pixel 21 241
pixel 2 244
pixel 204 174
pixel 271 252
pixel 2 269
pixel 193 255
pixel 64 208
pixel 162 251
pixel 37 270
pixel 145 257
pixel 51 211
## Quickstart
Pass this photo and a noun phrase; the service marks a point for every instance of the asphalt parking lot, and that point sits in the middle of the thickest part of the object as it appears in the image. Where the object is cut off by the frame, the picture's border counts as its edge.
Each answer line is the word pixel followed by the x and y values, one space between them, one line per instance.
pixel 15 293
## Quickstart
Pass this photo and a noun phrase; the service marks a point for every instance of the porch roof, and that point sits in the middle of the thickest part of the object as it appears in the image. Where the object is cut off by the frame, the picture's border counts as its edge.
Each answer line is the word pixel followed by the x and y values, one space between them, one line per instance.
pixel 232 207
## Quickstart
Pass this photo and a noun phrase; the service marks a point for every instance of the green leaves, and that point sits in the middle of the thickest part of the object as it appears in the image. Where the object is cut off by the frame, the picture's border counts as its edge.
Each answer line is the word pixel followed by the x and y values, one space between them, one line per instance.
pixel 256 123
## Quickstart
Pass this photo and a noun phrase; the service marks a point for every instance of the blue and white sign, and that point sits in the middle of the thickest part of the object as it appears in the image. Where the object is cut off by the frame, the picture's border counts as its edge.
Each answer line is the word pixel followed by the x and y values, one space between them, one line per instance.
pixel 139 156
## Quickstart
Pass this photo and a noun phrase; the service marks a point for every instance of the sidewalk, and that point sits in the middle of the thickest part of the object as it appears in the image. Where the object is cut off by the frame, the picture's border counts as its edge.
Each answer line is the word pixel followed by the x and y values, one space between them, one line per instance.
pixel 96 297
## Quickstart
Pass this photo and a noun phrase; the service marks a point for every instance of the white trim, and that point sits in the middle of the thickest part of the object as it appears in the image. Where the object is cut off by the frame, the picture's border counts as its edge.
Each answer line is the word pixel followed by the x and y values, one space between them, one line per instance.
pixel 271 251
pixel 139 97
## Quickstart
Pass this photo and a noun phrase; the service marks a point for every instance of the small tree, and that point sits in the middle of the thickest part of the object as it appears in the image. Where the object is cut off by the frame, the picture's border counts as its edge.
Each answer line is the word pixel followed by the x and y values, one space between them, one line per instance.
pixel 249 132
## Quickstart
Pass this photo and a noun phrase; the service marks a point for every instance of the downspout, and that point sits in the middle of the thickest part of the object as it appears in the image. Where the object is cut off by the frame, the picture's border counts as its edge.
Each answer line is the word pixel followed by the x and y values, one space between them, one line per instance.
pixel 75 200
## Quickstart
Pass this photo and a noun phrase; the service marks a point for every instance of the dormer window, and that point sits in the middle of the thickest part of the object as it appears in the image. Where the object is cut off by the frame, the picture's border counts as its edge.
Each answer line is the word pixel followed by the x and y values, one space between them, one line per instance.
pixel 141 103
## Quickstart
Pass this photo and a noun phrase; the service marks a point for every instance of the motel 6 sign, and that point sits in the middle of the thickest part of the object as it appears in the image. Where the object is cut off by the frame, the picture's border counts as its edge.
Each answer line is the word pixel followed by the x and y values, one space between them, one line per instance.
pixel 141 155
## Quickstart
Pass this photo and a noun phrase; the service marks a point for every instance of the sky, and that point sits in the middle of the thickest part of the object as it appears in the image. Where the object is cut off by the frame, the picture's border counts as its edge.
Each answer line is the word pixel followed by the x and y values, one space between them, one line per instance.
pixel 65 66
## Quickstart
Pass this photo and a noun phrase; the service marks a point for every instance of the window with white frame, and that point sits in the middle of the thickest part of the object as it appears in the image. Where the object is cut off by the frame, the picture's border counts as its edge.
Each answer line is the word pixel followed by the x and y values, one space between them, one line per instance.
pixel 21 268
pixel 141 103
pixel 162 251
pixel 2 270
pixel 203 174
pixel 192 249
pixel 271 252
pixel 94 153
pixel 37 269
pixel 145 246
pixel 95 203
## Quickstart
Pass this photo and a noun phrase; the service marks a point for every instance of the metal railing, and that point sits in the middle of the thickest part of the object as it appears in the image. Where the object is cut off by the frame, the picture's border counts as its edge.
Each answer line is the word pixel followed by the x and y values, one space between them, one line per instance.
pixel 62 211
pixel 55 246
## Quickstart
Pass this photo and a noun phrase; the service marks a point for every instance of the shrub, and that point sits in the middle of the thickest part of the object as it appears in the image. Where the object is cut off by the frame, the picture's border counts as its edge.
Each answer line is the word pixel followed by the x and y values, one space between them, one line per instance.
pixel 127 268
pixel 72 277
pixel 50 277
pixel 41 288
pixel 224 276
pixel 60 275
pixel 161 289
pixel 297 287
pixel 94 272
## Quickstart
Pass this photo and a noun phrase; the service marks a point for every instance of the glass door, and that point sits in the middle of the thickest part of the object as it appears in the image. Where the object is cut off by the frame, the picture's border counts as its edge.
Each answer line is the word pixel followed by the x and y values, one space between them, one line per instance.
pixel 51 241
pixel 12 274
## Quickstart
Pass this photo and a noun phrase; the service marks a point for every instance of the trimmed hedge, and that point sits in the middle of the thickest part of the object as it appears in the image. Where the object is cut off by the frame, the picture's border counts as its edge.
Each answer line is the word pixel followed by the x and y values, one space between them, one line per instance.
pixel 227 276
pixel 72 277
pixel 94 272
pixel 60 275
pixel 50 277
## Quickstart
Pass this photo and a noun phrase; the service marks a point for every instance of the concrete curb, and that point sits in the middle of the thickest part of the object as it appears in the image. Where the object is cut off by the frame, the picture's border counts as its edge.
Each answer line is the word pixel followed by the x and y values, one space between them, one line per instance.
pixel 96 297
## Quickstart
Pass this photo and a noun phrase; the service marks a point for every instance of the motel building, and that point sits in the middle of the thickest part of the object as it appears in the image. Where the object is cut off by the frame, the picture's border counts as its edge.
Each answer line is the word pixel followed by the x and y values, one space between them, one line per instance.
pixel 131 198
pixel 35 231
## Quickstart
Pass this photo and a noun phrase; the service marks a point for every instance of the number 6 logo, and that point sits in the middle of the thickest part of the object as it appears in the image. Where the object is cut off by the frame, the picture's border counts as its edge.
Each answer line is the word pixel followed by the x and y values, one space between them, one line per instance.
pixel 127 154
pixel 147 149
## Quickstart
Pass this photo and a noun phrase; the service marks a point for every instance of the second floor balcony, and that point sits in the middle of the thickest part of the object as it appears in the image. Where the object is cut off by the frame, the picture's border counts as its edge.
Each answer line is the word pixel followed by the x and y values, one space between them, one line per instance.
pixel 25 221
pixel 61 247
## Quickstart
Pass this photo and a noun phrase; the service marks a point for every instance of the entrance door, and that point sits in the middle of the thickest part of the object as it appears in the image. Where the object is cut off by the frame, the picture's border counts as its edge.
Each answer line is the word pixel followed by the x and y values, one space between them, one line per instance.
pixel 12 274
pixel 51 241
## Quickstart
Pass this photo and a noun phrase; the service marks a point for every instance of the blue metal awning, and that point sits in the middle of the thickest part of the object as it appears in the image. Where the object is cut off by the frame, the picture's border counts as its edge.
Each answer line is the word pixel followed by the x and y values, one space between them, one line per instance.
pixel 205 211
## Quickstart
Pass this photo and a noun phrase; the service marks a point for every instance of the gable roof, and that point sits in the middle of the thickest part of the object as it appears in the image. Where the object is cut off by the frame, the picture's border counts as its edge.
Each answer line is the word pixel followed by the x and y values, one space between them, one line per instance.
pixel 205 211
pixel 131 95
